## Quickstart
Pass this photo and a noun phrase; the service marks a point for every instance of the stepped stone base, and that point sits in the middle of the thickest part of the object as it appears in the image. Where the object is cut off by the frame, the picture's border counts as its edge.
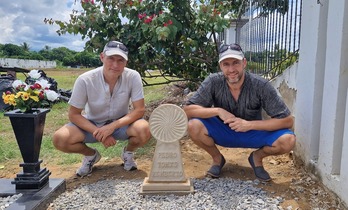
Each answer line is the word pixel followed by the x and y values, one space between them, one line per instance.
pixel 177 188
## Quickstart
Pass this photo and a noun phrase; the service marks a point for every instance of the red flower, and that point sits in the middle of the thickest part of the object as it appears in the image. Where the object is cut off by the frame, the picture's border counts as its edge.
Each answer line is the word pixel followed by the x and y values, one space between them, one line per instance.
pixel 141 16
pixel 216 12
pixel 37 86
pixel 165 24
pixel 170 22
pixel 148 20
pixel 41 95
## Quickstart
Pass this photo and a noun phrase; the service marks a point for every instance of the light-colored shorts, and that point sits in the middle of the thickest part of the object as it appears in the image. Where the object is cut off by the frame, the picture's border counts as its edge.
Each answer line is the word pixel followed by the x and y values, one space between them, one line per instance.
pixel 119 134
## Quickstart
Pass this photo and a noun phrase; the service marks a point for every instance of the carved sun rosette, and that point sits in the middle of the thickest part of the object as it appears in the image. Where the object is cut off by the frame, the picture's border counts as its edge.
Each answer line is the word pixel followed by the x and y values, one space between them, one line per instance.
pixel 168 123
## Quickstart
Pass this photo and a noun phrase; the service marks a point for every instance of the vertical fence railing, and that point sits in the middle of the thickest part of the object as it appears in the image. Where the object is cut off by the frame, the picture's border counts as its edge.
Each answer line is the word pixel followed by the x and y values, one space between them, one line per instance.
pixel 271 38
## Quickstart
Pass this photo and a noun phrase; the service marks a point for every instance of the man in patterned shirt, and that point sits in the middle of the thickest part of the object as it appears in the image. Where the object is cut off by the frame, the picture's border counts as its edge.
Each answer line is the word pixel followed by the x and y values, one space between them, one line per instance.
pixel 226 111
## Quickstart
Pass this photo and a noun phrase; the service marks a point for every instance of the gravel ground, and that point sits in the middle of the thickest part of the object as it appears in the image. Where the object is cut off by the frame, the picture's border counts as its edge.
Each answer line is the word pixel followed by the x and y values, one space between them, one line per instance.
pixel 223 193
pixel 212 194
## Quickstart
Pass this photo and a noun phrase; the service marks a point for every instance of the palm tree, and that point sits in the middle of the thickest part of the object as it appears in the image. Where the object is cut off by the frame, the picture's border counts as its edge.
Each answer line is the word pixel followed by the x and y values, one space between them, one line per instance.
pixel 25 46
pixel 47 48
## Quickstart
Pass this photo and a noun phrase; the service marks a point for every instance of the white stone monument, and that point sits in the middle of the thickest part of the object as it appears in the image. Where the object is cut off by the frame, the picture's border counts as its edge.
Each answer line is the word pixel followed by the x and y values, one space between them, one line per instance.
pixel 168 124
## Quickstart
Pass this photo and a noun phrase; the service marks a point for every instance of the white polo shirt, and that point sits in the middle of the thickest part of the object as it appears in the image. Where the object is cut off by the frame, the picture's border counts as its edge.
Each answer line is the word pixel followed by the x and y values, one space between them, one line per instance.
pixel 92 94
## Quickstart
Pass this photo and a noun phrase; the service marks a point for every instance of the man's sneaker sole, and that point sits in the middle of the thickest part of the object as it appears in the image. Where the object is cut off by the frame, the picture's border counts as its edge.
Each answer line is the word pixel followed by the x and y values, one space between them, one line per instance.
pixel 131 169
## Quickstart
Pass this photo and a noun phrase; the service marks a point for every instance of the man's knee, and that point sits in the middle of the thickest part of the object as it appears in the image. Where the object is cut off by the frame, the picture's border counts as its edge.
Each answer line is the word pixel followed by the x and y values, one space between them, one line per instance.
pixel 286 142
pixel 291 142
pixel 58 140
pixel 64 137
pixel 145 134
pixel 195 127
pixel 140 130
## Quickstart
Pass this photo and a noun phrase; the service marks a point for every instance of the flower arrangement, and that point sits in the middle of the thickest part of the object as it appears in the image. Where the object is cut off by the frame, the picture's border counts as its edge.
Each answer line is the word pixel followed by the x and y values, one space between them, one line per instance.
pixel 28 96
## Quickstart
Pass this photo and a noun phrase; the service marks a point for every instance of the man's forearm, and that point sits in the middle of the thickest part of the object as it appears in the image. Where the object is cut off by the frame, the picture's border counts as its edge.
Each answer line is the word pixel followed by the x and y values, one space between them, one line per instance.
pixel 82 122
pixel 199 111
pixel 272 124
pixel 129 118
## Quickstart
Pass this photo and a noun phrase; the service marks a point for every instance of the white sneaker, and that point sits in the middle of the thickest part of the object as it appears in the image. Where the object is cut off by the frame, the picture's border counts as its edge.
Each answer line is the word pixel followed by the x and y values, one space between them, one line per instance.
pixel 87 164
pixel 128 159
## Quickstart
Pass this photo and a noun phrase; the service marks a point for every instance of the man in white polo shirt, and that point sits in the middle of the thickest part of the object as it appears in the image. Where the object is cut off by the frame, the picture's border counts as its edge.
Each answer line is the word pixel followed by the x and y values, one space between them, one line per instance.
pixel 104 94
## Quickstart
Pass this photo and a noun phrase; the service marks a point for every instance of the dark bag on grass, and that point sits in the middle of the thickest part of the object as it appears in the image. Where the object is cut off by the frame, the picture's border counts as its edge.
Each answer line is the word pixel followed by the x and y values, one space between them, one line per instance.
pixel 64 95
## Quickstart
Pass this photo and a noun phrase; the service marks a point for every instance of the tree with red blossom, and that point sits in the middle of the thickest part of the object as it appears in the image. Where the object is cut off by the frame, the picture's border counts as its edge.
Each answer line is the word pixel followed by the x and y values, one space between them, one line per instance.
pixel 176 37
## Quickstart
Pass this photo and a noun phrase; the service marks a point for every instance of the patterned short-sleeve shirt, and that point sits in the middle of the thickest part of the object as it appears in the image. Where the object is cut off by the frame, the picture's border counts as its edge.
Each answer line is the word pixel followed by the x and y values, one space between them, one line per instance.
pixel 256 94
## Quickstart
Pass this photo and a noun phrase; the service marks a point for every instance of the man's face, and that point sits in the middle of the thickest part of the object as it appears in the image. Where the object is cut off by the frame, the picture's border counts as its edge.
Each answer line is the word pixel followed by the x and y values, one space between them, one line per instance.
pixel 233 69
pixel 114 64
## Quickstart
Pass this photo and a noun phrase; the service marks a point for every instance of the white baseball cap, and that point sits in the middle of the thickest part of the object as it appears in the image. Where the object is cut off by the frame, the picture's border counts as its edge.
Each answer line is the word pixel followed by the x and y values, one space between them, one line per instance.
pixel 230 51
pixel 116 48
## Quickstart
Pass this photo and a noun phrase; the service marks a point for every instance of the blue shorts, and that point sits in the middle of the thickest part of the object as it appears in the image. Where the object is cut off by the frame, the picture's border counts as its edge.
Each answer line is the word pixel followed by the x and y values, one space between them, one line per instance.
pixel 224 136
pixel 119 134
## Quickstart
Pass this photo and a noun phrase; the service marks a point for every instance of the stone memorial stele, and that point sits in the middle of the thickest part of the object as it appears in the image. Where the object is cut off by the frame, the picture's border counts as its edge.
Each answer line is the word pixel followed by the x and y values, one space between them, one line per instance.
pixel 168 124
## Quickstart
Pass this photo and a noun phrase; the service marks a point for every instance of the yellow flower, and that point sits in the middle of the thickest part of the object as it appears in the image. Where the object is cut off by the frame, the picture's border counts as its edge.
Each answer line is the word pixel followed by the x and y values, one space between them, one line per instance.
pixel 19 94
pixel 12 99
pixel 9 99
pixel 6 98
pixel 25 96
pixel 35 98
pixel 13 102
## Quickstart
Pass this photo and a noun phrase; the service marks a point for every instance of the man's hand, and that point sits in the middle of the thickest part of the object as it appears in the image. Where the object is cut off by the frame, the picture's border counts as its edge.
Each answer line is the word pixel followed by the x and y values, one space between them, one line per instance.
pixel 109 141
pixel 103 132
pixel 235 123
pixel 238 124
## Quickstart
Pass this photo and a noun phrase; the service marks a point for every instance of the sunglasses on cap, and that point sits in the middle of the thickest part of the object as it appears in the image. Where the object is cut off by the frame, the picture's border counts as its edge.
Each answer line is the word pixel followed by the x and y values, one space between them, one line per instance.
pixel 114 44
pixel 225 47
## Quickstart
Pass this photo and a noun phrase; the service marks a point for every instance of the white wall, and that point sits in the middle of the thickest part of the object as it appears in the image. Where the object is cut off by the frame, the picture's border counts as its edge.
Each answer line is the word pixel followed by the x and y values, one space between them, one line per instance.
pixel 316 90
pixel 231 34
pixel 321 123
pixel 22 63
pixel 286 86
pixel 332 164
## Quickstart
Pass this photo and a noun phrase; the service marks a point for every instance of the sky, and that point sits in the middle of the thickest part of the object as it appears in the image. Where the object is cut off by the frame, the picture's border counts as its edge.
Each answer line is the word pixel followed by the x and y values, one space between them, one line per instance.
pixel 23 21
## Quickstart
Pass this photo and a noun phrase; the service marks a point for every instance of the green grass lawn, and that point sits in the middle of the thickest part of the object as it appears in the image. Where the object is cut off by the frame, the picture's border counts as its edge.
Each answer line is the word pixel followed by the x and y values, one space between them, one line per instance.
pixel 57 117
